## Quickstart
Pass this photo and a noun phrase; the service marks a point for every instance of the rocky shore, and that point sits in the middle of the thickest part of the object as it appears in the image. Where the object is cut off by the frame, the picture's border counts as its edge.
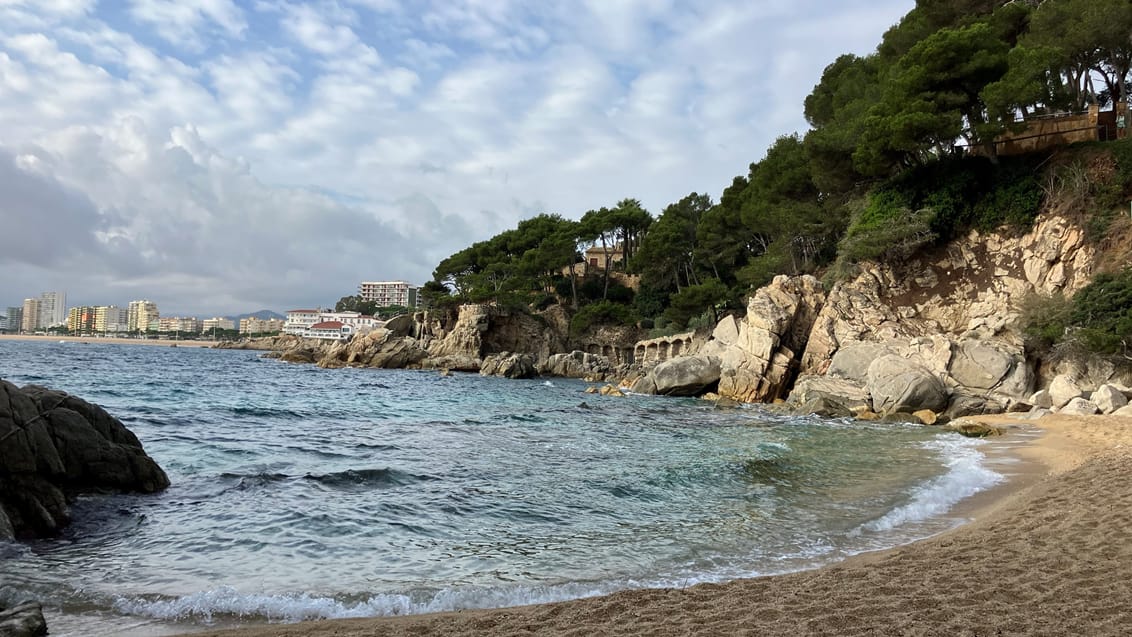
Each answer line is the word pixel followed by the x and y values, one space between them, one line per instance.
pixel 933 339
pixel 53 447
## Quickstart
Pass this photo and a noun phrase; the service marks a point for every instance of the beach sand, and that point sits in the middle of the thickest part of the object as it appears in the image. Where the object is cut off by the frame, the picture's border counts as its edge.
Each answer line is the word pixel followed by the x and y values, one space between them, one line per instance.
pixel 1050 554
pixel 106 340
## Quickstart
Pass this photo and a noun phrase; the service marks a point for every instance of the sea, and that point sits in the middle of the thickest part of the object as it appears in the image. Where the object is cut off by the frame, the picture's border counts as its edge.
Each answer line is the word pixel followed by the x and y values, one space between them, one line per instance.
pixel 300 493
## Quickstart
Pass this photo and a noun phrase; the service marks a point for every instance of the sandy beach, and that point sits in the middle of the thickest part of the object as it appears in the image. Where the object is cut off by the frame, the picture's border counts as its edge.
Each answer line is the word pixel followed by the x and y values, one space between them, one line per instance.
pixel 106 340
pixel 1047 555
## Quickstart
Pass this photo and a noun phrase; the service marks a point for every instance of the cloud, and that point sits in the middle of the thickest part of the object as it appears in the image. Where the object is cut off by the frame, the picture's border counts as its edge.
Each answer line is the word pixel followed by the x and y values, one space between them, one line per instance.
pixel 227 154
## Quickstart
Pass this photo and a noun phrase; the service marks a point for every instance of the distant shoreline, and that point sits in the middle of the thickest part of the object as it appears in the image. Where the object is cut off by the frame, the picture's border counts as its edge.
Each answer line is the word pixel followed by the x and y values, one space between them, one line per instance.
pixel 106 340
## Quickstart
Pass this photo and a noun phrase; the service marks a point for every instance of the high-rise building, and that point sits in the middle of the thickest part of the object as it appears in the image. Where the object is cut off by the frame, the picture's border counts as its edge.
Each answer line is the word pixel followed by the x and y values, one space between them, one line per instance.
pixel 141 315
pixel 110 319
pixel 15 318
pixel 30 322
pixel 386 293
pixel 187 325
pixel 52 309
pixel 80 320
pixel 3 322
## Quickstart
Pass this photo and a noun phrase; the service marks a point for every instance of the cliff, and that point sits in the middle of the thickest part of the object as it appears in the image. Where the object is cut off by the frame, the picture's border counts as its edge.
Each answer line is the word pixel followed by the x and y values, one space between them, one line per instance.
pixel 940 332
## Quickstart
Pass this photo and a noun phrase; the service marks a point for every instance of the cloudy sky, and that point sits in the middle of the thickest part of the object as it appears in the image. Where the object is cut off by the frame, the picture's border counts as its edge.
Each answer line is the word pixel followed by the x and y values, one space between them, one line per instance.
pixel 221 156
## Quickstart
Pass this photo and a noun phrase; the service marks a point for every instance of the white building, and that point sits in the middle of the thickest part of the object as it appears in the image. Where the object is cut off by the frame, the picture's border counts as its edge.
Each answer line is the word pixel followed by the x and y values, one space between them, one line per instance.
pixel 302 322
pixel 217 323
pixel 30 322
pixel 386 293
pixel 52 309
pixel 111 319
pixel 330 330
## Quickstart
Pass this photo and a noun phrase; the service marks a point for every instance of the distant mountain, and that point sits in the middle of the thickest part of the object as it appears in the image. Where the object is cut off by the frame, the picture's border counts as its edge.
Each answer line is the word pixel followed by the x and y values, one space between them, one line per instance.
pixel 260 314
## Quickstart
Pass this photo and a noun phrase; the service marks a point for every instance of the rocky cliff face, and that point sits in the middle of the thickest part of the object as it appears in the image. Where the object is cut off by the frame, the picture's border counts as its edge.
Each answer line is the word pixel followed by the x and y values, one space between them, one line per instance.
pixel 937 332
pixel 973 287
pixel 53 446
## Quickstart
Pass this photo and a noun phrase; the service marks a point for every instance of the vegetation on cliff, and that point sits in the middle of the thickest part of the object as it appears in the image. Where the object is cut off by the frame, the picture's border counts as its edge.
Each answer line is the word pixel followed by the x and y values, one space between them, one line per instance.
pixel 900 156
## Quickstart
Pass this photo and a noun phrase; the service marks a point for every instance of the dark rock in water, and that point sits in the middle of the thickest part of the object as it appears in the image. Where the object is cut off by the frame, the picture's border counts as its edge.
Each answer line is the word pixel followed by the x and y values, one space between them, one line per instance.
pixel 53 446
pixel 23 620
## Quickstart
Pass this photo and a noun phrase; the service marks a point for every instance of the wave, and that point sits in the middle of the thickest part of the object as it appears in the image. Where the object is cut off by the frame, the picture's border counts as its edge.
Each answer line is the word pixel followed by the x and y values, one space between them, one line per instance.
pixel 267 412
pixel 348 479
pixel 966 475
pixel 227 602
pixel 369 478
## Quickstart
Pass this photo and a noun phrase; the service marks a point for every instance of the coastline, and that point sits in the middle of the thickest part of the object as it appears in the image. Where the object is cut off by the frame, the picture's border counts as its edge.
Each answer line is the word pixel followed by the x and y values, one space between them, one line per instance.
pixel 106 340
pixel 1045 553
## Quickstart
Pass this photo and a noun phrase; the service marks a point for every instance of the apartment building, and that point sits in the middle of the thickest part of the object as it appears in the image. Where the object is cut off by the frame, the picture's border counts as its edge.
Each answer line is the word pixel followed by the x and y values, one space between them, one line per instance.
pixel 253 325
pixel 186 325
pixel 217 323
pixel 80 320
pixel 140 315
pixel 52 309
pixel 110 319
pixel 30 321
pixel 303 322
pixel 386 293
pixel 15 318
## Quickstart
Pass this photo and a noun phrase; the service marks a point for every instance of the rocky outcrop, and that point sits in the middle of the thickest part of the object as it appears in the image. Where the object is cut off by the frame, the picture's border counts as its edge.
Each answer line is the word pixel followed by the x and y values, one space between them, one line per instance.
pixel 23 620
pixel 759 353
pixel 577 364
pixel 509 365
pixel 897 384
pixel 684 376
pixel 54 446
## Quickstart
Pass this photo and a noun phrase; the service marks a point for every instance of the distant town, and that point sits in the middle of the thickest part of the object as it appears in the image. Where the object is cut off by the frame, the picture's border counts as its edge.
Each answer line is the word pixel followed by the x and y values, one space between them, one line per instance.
pixel 48 314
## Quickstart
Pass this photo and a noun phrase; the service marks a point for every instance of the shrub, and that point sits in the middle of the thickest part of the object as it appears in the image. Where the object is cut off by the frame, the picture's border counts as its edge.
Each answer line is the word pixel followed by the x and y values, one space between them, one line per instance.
pixel 602 313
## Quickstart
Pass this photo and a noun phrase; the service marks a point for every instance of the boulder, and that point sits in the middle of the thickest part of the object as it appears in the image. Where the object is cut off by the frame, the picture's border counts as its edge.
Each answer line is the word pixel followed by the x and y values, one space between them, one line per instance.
pixel 964 403
pixel 898 384
pixel 1063 389
pixel 55 446
pixel 973 428
pixel 23 620
pixel 576 364
pixel 1041 398
pixel 828 397
pixel 402 325
pixel 509 365
pixel 1108 399
pixel 685 376
pixel 1079 407
pixel 853 359
pixel 1125 411
pixel 926 416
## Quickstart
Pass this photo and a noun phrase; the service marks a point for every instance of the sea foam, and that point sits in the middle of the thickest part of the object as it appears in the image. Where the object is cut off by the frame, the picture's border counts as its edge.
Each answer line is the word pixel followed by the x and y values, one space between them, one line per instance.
pixel 966 475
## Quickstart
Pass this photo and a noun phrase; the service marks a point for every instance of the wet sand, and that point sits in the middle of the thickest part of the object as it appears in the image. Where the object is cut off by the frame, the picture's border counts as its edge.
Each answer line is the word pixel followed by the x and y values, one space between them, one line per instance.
pixel 106 340
pixel 1050 554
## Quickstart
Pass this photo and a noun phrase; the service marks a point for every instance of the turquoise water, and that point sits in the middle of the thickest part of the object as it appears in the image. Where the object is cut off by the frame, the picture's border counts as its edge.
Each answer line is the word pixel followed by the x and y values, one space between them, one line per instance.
pixel 302 493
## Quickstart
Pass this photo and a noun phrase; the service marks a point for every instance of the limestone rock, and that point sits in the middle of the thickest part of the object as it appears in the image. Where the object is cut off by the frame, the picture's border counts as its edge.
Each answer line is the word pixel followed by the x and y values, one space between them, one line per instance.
pixel 576 364
pixel 1108 399
pixel 1062 390
pixel 979 365
pixel 829 397
pixel 758 354
pixel 852 360
pixel 1125 411
pixel 898 384
pixel 509 365
pixel 686 376
pixel 973 428
pixel 23 620
pixel 1042 399
pixel 56 445
pixel 926 416
pixel 1079 407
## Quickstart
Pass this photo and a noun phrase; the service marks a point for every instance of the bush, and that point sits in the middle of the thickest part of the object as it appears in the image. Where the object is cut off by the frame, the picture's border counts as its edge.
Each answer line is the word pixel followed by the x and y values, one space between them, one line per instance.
pixel 602 313
pixel 1102 313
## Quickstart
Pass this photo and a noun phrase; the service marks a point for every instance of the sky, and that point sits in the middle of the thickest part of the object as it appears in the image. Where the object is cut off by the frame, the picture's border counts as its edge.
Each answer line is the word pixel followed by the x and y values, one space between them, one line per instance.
pixel 225 156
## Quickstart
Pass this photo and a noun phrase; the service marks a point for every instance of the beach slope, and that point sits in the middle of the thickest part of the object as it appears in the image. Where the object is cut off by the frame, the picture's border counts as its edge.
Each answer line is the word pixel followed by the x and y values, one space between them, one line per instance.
pixel 1052 557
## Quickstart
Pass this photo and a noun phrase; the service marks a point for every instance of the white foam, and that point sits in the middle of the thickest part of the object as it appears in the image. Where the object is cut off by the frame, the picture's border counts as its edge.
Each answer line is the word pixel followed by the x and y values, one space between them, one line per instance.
pixel 966 475
pixel 292 607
